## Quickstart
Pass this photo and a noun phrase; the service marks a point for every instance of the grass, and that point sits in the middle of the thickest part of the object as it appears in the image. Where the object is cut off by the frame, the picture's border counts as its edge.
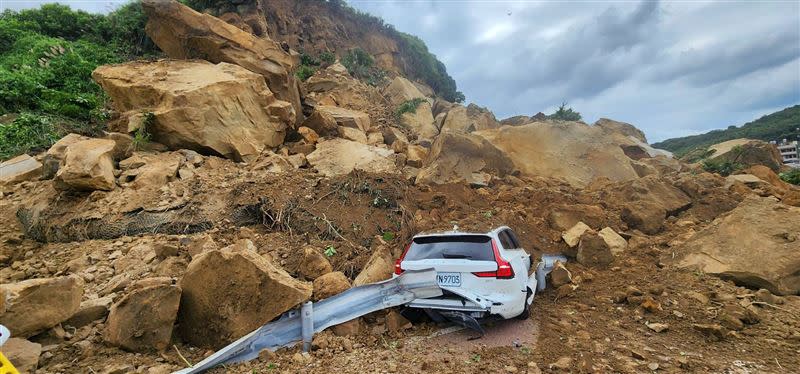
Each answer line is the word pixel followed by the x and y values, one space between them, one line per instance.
pixel 409 106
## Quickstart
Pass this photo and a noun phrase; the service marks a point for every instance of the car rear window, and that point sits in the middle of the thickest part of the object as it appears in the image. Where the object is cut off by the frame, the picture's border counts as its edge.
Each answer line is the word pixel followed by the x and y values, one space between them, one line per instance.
pixel 470 247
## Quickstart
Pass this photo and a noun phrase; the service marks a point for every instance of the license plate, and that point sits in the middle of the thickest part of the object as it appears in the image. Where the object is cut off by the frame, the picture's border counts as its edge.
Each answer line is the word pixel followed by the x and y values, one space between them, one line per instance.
pixel 449 279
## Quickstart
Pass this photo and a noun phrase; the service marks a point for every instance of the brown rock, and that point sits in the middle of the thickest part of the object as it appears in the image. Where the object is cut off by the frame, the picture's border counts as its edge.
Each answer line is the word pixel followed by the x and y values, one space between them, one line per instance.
pixel 453 158
pixel 200 244
pixel 420 122
pixel 90 311
pixel 314 264
pixel 401 90
pixel 416 155
pixel 593 250
pixel 379 267
pixel 754 245
pixel 573 236
pixel 322 123
pixel 347 117
pixel 142 320
pixel 20 168
pixel 330 284
pixel 183 33
pixel 219 305
pixel 713 331
pixel 354 134
pixel 791 197
pixel 309 135
pixel 37 304
pixel 87 166
pixel 560 276
pixel 616 242
pixel 646 216
pixel 24 355
pixel 349 328
pixel 340 156
pixel 164 250
pixel 209 96
pixel 396 322
pixel 564 217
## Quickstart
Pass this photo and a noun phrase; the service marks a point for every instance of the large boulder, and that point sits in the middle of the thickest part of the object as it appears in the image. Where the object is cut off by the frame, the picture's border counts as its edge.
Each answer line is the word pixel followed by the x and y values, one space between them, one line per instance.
pixel 572 151
pixel 401 90
pixel 221 109
pixel 455 157
pixel 467 119
pixel 594 249
pixel 420 122
pixel 34 305
pixel 330 284
pixel 340 156
pixel 183 33
pixel 623 128
pixel 230 292
pixel 747 152
pixel 346 117
pixel 87 166
pixel 652 189
pixel 645 216
pixel 314 264
pixel 142 320
pixel 755 245
pixel 379 267
pixel 55 155
pixel 18 169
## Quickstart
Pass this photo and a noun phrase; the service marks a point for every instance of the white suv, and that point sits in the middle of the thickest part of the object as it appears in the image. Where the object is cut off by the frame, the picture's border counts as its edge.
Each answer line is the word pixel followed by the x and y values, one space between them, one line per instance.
pixel 481 274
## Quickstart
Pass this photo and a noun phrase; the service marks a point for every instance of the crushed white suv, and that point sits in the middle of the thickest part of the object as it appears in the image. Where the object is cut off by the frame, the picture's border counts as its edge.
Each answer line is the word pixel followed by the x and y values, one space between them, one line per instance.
pixel 481 274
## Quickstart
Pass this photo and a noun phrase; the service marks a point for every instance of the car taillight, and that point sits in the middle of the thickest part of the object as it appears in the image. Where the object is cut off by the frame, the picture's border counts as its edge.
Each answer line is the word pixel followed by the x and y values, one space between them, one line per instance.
pixel 397 269
pixel 504 270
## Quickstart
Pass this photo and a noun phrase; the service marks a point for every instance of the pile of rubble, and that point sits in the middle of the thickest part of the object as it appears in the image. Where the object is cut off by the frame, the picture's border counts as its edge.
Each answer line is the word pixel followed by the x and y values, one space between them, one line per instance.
pixel 258 192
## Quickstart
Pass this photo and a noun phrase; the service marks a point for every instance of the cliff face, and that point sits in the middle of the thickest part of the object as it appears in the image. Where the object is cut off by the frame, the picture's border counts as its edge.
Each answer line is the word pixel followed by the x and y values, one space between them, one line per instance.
pixel 315 26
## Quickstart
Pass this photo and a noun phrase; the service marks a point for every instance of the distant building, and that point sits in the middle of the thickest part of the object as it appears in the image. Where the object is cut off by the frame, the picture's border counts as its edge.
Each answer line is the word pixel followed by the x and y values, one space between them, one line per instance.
pixel 789 153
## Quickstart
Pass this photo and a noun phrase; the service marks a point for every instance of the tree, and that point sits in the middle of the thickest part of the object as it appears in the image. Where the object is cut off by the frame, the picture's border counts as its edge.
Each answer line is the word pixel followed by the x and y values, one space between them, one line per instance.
pixel 565 113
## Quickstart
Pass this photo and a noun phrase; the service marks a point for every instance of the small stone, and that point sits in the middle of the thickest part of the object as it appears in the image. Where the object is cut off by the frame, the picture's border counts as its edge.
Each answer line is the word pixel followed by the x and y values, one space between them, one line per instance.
pixel 510 369
pixel 653 366
pixel 658 327
pixel 563 363
pixel 713 331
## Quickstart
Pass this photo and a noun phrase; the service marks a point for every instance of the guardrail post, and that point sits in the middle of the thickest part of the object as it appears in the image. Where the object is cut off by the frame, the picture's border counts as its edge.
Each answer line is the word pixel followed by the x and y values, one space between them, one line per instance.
pixel 307 320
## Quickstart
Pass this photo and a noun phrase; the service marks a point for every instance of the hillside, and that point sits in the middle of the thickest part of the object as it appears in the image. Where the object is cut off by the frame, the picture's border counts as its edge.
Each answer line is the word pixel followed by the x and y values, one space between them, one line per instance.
pixel 775 126
pixel 216 179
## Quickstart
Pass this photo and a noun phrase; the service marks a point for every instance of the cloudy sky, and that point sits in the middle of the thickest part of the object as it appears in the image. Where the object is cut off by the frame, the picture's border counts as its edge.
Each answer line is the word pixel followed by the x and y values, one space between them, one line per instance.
pixel 672 68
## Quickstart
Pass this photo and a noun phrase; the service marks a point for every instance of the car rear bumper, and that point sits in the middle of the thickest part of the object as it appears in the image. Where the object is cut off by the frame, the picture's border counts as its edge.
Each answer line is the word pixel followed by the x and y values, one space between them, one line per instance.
pixel 448 304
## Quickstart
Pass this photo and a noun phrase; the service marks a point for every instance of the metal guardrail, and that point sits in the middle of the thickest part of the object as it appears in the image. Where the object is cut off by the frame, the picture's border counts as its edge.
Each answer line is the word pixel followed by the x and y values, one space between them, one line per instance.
pixel 294 327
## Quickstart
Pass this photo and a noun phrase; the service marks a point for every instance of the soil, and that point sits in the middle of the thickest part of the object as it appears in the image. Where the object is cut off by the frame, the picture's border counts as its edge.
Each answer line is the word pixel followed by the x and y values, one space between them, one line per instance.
pixel 587 330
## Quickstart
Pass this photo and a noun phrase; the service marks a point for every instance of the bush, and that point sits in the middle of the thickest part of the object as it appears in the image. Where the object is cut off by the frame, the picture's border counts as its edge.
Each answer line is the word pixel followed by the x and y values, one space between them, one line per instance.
pixel 723 168
pixel 792 177
pixel 409 106
pixel 361 65
pixel 304 72
pixel 28 132
pixel 565 113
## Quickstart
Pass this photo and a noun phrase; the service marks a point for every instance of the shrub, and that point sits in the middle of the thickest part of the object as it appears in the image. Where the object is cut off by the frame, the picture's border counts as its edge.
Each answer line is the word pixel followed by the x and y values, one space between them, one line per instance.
pixel 304 72
pixel 409 106
pixel 26 133
pixel 792 177
pixel 327 58
pixel 361 65
pixel 721 167
pixel 565 113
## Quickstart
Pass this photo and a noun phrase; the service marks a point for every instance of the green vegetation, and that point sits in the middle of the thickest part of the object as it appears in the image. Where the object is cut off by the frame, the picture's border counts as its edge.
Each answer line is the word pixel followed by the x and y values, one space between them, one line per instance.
pixel 329 251
pixel 724 167
pixel 47 56
pixel 361 65
pixel 388 236
pixel 409 106
pixel 784 124
pixel 565 113
pixel 792 176
pixel 28 131
pixel 420 63
pixel 142 136
pixel 310 64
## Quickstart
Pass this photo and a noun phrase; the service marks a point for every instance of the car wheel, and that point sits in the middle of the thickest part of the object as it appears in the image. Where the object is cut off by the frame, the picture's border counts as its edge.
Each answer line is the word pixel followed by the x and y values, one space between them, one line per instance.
pixel 526 311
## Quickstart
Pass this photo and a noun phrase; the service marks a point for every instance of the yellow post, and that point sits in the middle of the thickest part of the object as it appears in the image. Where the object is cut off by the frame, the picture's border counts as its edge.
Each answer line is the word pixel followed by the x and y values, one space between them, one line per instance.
pixel 6 367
